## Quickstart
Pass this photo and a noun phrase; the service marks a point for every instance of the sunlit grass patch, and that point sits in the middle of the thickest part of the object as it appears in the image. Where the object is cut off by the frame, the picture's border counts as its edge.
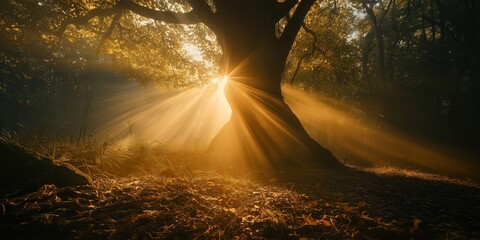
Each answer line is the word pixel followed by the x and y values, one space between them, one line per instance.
pixel 412 173
pixel 109 157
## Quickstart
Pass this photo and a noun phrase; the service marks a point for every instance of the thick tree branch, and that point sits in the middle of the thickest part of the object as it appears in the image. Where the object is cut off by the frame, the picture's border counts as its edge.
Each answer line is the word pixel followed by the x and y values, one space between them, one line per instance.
pixel 201 7
pixel 293 26
pixel 191 17
pixel 385 10
pixel 162 16
pixel 282 9
pixel 204 12
pixel 369 10
pixel 82 20
pixel 109 32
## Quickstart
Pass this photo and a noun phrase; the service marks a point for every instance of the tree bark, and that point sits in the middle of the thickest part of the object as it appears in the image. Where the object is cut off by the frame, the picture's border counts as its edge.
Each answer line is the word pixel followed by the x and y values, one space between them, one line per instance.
pixel 263 133
pixel 376 24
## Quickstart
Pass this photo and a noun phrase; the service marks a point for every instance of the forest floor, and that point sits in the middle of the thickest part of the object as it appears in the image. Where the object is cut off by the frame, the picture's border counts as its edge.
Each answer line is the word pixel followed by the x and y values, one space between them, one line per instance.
pixel 182 201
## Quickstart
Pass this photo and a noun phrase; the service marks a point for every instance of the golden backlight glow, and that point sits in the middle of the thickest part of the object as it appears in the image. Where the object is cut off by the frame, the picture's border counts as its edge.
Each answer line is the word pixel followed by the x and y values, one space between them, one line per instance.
pixel 188 119
pixel 220 83
pixel 183 119
pixel 360 143
pixel 258 135
pixel 193 52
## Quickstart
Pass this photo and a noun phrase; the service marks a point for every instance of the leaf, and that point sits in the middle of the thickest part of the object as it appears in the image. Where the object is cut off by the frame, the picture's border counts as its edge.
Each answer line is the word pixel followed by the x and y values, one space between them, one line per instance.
pixel 310 220
pixel 231 210
pixel 417 224
pixel 326 223
pixel 240 238
pixel 143 216
pixel 345 207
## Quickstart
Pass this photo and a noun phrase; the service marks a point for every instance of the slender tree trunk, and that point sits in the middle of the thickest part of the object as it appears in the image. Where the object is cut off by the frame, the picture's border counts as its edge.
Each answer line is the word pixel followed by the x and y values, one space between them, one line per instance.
pixel 365 76
pixel 364 55
pixel 382 73
pixel 380 44
pixel 395 43
pixel 432 23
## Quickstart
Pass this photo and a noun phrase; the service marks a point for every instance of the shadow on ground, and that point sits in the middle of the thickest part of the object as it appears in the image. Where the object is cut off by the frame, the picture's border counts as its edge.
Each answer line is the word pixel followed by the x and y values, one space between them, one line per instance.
pixel 294 204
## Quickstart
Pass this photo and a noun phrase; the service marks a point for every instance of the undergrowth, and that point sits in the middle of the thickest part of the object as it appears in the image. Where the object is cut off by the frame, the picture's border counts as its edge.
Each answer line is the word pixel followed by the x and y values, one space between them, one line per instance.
pixel 108 157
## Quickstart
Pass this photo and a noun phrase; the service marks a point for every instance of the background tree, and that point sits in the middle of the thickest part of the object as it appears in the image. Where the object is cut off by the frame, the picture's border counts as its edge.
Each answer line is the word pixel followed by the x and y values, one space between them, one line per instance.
pixel 430 93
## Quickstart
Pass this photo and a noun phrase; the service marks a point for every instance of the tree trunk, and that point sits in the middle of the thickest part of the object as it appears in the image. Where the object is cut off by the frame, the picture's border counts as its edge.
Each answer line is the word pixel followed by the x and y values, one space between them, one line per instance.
pixel 382 73
pixel 263 133
pixel 380 44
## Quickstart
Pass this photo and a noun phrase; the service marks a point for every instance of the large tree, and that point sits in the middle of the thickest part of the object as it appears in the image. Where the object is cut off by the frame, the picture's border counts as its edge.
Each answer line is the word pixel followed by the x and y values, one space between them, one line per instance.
pixel 255 38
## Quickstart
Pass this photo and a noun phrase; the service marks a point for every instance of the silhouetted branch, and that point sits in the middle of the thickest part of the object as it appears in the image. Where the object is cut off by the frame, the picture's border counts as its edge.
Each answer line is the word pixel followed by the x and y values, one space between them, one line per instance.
pixel 369 10
pixel 384 13
pixel 293 26
pixel 109 32
pixel 284 8
pixel 163 16
pixel 314 48
pixel 204 12
pixel 82 20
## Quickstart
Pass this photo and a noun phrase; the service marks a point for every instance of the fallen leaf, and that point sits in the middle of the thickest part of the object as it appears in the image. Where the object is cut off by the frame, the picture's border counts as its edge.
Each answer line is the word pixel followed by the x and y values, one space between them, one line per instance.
pixel 326 223
pixel 310 220
pixel 345 207
pixel 240 238
pixel 143 216
pixel 232 210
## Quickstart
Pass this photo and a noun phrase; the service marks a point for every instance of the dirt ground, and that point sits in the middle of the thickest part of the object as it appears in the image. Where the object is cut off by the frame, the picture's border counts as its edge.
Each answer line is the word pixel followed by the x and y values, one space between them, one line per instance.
pixel 295 204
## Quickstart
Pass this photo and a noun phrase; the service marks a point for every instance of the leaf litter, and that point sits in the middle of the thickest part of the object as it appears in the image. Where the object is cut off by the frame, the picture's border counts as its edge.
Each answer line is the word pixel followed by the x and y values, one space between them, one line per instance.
pixel 200 204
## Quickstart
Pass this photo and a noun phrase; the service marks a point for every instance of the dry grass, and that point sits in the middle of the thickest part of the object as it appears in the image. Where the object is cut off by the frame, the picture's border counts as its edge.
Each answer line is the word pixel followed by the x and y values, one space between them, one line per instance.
pixel 422 175
pixel 108 157
pixel 146 192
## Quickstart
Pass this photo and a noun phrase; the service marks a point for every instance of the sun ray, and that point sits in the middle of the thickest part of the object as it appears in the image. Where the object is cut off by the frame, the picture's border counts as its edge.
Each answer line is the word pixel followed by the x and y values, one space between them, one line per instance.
pixel 184 119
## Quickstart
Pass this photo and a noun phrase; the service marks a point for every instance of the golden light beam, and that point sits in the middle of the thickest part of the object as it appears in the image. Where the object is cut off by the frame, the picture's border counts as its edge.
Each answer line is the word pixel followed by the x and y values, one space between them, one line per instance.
pixel 362 143
pixel 188 119
pixel 185 119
